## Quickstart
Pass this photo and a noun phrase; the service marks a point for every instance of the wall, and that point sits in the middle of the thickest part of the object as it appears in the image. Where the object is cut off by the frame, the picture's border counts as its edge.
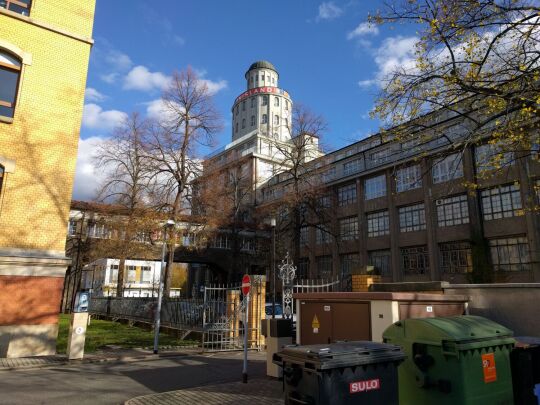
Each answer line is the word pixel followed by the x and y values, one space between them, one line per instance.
pixel 512 305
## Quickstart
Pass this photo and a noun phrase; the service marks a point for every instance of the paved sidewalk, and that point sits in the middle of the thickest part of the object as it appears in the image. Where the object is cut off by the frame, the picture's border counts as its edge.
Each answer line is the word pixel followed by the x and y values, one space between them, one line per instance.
pixel 259 391
pixel 112 354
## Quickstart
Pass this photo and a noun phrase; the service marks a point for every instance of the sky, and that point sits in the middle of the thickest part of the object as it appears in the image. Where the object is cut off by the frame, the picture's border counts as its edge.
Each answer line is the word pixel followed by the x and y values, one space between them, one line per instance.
pixel 328 58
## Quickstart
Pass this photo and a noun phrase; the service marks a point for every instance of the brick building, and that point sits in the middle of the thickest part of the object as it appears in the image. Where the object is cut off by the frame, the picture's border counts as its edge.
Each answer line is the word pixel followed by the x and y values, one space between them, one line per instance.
pixel 44 52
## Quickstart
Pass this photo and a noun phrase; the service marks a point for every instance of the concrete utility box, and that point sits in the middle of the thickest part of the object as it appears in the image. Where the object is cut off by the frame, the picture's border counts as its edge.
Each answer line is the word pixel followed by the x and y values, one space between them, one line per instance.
pixel 278 334
pixel 329 317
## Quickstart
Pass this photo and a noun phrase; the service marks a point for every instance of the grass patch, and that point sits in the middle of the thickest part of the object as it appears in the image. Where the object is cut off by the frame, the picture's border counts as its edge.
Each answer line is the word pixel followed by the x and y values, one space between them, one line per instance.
pixel 101 333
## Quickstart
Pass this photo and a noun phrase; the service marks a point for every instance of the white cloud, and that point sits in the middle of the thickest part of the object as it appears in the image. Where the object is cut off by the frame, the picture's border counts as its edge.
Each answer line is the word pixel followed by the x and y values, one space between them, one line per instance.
pixel 157 110
pixel 178 40
pixel 109 78
pixel 329 11
pixel 140 78
pixel 363 29
pixel 118 60
pixel 92 94
pixel 95 118
pixel 87 178
pixel 393 53
pixel 214 87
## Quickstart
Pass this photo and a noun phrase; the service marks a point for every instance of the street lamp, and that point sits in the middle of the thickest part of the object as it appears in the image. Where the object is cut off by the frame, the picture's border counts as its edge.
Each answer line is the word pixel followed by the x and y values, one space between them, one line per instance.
pixel 170 223
pixel 273 264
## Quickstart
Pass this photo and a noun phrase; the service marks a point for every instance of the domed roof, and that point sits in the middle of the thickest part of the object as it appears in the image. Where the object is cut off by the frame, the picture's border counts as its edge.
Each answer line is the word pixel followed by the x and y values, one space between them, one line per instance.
pixel 262 64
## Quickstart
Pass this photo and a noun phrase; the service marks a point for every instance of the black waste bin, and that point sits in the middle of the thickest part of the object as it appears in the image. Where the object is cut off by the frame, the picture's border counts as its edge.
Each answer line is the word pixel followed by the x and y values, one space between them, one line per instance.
pixel 340 373
pixel 525 364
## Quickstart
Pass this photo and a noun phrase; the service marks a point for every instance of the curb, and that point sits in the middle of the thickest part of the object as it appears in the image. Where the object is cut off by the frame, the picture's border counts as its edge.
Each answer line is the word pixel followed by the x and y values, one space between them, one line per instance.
pixel 126 359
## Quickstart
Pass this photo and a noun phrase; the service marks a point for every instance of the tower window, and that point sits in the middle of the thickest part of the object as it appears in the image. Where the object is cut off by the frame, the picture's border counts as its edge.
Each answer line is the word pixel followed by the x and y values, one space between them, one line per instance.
pixel 276 101
pixel 265 100
pixel 243 123
pixel 237 127
pixel 10 73
pixel 287 105
pixel 244 105
pixel 264 119
pixel 18 6
pixel 276 119
pixel 237 109
pixel 273 81
pixel 253 101
pixel 262 77
pixel 252 120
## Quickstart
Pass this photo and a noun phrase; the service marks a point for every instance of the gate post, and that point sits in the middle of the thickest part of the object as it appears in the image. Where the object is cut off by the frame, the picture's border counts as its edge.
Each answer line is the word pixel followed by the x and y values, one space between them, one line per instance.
pixel 257 311
pixel 233 304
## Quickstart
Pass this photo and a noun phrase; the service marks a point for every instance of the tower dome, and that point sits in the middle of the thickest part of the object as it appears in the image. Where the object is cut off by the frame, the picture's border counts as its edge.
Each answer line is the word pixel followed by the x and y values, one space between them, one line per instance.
pixel 262 64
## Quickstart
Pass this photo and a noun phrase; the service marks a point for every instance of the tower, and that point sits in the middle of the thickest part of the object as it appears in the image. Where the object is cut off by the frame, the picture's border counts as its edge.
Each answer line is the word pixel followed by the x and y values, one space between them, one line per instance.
pixel 264 108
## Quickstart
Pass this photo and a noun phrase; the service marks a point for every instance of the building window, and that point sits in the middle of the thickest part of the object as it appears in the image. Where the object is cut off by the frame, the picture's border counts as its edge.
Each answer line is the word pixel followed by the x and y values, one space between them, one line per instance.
pixel 448 168
pixel 264 119
pixel 381 262
pixel 244 105
pixel 510 254
pixel 350 263
pixel 322 235
pixel 348 228
pixel 347 195
pixel 351 167
pixel 456 257
pixel 324 266
pixel 276 101
pixel 286 105
pixel 72 226
pixel 415 260
pixel 113 273
pixel 252 120
pixel 17 6
pixel 236 130
pixel 304 236
pixel 265 100
pixel 501 202
pixel 375 187
pixel 378 224
pixel 97 230
pixel 412 218
pixel 222 242
pixel 243 123
pixel 325 201
pixel 491 157
pixel 286 122
pixel 248 245
pixel 131 274
pixel 253 101
pixel 10 73
pixel 2 173
pixel 380 157
pixel 303 268
pixel 237 109
pixel 146 274
pixel 262 77
pixel 276 119
pixel 452 211
pixel 408 178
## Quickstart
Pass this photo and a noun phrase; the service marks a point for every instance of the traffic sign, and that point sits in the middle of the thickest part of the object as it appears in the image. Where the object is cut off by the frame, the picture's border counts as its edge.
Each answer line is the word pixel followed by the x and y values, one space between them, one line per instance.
pixel 246 284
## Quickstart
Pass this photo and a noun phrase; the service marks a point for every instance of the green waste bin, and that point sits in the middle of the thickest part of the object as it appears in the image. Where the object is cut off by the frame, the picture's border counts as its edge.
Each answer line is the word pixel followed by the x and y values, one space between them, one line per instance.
pixel 455 360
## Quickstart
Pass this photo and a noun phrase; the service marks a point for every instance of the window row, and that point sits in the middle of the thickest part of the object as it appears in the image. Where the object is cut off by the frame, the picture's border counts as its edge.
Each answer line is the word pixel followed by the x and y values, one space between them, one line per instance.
pixel 253 102
pixel 17 6
pixel 264 120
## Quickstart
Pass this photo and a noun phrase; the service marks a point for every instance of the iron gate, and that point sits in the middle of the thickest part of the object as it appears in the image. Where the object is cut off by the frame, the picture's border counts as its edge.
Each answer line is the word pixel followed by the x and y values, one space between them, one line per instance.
pixel 223 317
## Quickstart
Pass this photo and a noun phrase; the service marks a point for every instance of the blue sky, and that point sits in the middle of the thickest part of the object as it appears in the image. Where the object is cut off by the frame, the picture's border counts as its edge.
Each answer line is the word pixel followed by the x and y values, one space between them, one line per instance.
pixel 327 58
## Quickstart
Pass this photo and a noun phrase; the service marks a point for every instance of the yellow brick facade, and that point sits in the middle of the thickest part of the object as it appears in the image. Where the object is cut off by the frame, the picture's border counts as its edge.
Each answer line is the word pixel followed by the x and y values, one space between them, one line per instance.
pixel 43 138
pixel 38 150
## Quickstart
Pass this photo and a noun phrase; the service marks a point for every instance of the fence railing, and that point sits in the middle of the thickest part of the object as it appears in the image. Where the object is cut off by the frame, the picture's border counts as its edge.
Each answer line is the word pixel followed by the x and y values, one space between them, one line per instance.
pixel 179 313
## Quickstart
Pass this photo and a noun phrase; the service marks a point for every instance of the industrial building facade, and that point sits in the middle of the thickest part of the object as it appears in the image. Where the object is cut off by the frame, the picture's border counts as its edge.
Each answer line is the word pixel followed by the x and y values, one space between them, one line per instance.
pixel 44 52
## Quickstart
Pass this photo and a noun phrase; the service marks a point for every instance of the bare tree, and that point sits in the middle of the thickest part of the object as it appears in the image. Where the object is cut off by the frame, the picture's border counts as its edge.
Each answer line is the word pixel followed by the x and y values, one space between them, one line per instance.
pixel 128 222
pixel 300 205
pixel 189 120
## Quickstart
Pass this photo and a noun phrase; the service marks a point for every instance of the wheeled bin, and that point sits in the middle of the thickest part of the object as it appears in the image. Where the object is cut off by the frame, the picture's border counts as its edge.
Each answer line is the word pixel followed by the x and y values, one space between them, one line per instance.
pixel 340 373
pixel 456 360
pixel 525 361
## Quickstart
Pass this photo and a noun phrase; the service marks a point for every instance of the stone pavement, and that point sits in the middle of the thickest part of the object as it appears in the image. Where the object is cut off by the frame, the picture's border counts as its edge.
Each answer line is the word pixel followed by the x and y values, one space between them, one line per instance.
pixel 111 354
pixel 260 391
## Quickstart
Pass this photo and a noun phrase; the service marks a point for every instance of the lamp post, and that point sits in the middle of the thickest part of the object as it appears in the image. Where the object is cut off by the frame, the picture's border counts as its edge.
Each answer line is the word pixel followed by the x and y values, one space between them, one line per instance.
pixel 157 317
pixel 273 266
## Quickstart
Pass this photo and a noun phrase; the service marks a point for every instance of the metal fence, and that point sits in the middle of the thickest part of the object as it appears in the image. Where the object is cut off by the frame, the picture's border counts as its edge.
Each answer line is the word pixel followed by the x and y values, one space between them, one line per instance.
pixel 337 284
pixel 178 313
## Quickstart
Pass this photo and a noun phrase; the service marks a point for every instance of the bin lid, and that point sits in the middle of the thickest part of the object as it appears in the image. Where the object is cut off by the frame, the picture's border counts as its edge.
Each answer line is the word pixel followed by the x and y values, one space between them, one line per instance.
pixel 340 354
pixel 465 331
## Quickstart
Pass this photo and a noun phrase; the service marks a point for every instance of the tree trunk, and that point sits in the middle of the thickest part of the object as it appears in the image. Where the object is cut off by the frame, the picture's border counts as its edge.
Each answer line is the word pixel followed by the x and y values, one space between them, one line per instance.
pixel 120 281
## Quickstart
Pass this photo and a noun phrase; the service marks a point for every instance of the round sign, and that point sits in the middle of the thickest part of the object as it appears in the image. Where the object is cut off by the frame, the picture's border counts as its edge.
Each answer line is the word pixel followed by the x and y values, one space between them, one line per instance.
pixel 79 330
pixel 246 284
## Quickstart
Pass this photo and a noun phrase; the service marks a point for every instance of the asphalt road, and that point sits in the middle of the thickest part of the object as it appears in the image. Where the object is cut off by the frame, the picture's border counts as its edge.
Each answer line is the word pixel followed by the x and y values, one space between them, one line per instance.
pixel 114 383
